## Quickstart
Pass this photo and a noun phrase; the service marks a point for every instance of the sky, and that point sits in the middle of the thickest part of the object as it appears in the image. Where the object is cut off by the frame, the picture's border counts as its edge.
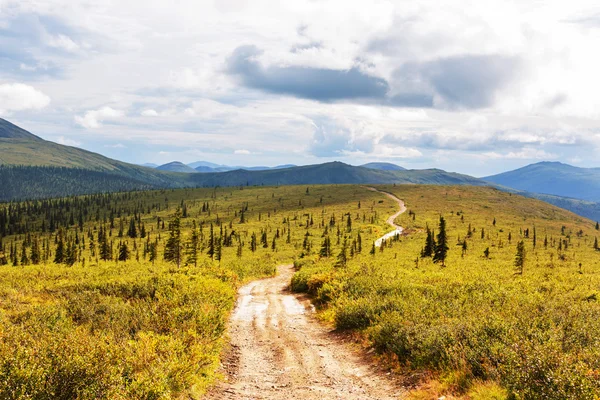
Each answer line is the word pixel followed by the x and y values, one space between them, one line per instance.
pixel 477 87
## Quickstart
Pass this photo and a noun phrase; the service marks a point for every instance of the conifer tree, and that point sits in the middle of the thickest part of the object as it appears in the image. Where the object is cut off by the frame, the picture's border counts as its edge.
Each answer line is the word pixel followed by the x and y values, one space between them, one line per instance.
pixel 596 244
pixel 253 242
pixel 520 257
pixel 219 249
pixel 24 258
pixel 441 247
pixel 35 252
pixel 325 251
pixel 342 257
pixel 429 248
pixel 123 251
pixel 59 253
pixel 132 231
pixel 174 245
pixel 211 242
pixel 359 243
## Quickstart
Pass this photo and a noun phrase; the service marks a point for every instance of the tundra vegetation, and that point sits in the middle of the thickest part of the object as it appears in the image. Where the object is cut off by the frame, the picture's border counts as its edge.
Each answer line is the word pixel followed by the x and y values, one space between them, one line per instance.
pixel 126 295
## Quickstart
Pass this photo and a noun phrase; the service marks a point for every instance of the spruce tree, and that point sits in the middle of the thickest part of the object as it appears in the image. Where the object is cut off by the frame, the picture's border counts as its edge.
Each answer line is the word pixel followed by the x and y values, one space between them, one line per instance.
pixel 59 253
pixel 342 257
pixel 123 251
pixel 35 252
pixel 174 246
pixel 132 231
pixel 24 258
pixel 441 247
pixel 211 242
pixel 325 251
pixel 520 257
pixel 429 248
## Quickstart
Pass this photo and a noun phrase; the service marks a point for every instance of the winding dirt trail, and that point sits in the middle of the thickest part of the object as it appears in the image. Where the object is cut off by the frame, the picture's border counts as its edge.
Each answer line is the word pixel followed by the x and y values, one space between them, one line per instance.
pixel 398 230
pixel 279 351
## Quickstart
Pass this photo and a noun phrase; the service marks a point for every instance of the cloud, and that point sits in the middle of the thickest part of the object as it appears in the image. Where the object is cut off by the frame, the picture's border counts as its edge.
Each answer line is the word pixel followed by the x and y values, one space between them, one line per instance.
pixel 526 153
pixel 460 82
pixel 308 83
pixel 62 42
pixel 67 142
pixel 19 97
pixel 93 118
pixel 149 113
pixel 336 137
pixel 241 152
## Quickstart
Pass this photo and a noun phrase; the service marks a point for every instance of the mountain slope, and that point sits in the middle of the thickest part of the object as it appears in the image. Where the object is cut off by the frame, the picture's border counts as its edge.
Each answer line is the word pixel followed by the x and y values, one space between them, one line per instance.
pixel 176 166
pixel 383 166
pixel 553 178
pixel 9 130
pixel 330 173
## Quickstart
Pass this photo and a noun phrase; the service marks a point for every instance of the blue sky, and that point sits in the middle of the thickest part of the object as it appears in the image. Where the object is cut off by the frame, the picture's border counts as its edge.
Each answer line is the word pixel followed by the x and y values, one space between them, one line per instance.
pixel 472 86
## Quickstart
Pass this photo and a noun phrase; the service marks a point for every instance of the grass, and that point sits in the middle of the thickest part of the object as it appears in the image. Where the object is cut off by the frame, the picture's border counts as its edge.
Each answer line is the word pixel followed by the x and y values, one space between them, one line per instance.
pixel 477 319
pixel 139 329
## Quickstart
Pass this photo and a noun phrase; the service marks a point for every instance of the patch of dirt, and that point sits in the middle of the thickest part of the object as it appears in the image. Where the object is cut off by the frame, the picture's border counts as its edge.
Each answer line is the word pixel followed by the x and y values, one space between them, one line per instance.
pixel 280 351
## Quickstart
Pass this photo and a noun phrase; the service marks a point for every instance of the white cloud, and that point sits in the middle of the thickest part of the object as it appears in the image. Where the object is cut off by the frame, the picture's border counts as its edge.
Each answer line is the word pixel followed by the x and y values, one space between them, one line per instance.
pixel 62 42
pixel 93 118
pixel 67 141
pixel 149 113
pixel 242 152
pixel 525 154
pixel 550 108
pixel 19 97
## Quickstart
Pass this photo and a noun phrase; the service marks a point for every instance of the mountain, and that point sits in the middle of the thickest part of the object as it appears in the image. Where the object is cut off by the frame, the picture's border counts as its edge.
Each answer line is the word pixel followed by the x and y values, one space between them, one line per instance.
pixel 205 166
pixel 176 166
pixel 384 166
pixel 330 173
pixel 31 167
pixel 149 165
pixel 553 178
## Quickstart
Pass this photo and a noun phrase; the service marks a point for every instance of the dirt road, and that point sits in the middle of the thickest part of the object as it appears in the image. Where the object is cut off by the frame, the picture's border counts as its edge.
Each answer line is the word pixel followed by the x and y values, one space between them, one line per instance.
pixel 398 230
pixel 279 351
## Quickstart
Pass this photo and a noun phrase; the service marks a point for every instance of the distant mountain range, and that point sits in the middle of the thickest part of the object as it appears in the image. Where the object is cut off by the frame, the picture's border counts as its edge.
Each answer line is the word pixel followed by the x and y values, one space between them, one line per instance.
pixel 206 166
pixel 553 178
pixel 31 167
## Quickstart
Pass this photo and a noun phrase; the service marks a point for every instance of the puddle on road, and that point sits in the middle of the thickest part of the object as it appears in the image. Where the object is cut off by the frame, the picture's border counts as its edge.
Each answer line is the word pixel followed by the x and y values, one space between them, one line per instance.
pixel 250 308
pixel 292 306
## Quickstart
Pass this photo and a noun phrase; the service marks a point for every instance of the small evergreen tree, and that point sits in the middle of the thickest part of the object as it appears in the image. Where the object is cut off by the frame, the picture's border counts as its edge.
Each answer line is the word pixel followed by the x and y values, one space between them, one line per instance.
pixel 441 247
pixel 520 257
pixel 174 246
pixel 429 248
pixel 325 251
pixel 342 257
pixel 253 243
pixel 123 251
